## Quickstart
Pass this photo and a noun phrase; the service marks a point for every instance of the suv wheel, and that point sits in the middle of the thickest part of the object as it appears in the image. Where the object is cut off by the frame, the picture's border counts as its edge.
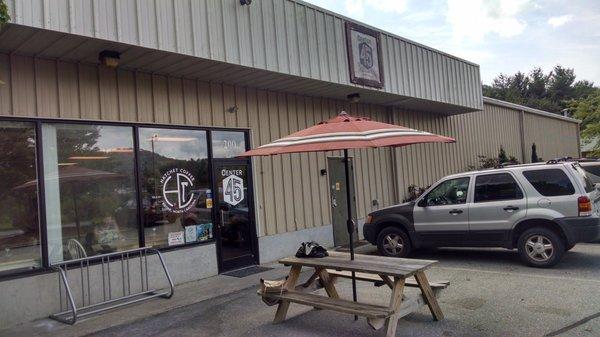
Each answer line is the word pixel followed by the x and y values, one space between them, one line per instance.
pixel 392 241
pixel 540 247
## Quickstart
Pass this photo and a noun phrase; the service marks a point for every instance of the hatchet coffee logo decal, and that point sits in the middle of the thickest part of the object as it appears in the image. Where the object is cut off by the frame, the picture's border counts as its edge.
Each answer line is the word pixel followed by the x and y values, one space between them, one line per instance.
pixel 177 185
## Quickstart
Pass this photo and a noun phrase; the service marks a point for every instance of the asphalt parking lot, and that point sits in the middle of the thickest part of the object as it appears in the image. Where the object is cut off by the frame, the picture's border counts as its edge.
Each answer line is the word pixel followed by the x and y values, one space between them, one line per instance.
pixel 490 294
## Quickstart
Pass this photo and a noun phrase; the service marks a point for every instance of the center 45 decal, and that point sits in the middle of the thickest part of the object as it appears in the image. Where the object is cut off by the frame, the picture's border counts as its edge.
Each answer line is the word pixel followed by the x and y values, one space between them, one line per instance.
pixel 233 190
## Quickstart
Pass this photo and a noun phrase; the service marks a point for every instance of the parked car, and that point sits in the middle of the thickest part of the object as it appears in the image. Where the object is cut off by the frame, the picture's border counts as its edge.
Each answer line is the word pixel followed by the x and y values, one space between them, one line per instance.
pixel 542 210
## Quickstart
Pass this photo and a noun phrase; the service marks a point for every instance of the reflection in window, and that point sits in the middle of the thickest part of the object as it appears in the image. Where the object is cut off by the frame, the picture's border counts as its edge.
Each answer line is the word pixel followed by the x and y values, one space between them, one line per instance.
pixel 19 228
pixel 175 186
pixel 450 192
pixel 496 187
pixel 228 144
pixel 91 205
pixel 550 183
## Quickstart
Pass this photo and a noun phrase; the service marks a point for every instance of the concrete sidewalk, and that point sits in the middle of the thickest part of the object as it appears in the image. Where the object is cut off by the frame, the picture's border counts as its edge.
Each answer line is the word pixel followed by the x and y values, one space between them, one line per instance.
pixel 185 295
pixel 490 294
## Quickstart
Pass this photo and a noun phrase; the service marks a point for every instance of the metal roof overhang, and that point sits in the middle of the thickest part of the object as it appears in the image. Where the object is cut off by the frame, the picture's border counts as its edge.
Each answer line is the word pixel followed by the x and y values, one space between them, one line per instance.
pixel 47 44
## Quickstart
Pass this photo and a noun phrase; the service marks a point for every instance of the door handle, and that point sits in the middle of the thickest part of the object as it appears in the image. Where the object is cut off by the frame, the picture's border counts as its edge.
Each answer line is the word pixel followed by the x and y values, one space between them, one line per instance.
pixel 222 219
pixel 456 211
pixel 510 208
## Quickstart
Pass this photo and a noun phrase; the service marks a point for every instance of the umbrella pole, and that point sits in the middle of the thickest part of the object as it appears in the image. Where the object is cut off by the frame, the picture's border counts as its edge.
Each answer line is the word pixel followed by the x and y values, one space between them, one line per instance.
pixel 350 223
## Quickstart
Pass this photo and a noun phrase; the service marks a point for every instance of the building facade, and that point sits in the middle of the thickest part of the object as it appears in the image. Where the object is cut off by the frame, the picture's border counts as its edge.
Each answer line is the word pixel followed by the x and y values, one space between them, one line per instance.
pixel 102 158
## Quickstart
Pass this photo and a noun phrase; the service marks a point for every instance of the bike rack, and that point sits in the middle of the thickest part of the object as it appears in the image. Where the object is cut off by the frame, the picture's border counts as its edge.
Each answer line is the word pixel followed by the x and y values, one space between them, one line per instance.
pixel 90 302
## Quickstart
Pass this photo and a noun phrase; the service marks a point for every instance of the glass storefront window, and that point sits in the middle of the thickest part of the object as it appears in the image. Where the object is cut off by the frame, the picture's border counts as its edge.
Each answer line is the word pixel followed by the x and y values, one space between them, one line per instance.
pixel 176 196
pixel 19 225
pixel 228 144
pixel 90 194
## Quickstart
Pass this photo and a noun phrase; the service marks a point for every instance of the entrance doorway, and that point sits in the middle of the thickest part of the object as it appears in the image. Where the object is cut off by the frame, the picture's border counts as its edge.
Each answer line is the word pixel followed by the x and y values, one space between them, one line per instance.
pixel 234 214
pixel 338 202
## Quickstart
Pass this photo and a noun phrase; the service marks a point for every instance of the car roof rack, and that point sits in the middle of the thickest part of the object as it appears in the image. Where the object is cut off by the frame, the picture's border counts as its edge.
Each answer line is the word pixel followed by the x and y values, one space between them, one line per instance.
pixel 559 160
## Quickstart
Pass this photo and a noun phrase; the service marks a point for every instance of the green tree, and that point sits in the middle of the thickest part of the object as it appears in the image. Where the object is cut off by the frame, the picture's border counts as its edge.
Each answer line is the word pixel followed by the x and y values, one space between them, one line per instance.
pixel 4 16
pixel 588 111
pixel 550 92
pixel 534 155
pixel 502 157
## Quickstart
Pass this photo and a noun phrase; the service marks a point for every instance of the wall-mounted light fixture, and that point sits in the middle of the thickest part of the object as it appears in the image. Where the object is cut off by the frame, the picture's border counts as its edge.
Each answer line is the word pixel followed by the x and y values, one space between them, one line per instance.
pixel 109 58
pixel 323 172
pixel 353 98
pixel 233 110
pixel 245 2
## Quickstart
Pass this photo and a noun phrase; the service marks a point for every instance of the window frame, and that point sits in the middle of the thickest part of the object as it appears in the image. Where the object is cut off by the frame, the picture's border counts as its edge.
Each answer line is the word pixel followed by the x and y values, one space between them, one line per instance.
pixel 500 200
pixel 39 160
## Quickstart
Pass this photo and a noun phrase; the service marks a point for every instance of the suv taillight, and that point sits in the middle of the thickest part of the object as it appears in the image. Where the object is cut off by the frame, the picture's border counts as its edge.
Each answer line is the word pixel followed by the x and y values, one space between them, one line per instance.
pixel 584 205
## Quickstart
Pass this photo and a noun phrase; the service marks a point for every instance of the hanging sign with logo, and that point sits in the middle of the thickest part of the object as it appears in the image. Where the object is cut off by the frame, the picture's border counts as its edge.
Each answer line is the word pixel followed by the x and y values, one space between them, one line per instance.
pixel 364 55
pixel 233 186
pixel 177 190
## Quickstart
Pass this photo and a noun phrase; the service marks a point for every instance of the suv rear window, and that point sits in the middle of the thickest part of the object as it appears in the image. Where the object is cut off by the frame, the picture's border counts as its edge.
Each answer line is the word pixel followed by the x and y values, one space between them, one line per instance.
pixel 550 182
pixel 587 182
pixel 593 172
pixel 496 187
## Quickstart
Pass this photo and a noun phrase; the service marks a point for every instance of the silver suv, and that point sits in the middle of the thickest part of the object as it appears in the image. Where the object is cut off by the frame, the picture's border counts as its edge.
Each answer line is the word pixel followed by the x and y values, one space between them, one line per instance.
pixel 542 210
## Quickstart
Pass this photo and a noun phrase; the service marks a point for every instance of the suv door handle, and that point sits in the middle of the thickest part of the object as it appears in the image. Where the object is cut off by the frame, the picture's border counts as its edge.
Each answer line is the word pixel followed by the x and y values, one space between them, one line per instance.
pixel 456 211
pixel 510 208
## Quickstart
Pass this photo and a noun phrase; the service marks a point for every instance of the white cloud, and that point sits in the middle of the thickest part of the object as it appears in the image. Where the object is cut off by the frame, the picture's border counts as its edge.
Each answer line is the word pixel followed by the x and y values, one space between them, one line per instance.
pixel 557 21
pixel 474 19
pixel 357 8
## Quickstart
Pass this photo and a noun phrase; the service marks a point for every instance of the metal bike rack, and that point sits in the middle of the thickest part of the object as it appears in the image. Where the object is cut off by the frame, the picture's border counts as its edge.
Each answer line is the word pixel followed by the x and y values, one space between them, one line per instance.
pixel 91 298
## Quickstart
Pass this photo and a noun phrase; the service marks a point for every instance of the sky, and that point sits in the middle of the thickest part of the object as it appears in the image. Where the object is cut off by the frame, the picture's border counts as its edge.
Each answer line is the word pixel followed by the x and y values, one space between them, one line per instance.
pixel 502 36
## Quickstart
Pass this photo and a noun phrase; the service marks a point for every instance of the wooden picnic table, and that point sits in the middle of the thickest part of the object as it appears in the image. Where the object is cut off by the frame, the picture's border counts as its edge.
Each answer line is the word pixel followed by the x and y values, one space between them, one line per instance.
pixel 387 270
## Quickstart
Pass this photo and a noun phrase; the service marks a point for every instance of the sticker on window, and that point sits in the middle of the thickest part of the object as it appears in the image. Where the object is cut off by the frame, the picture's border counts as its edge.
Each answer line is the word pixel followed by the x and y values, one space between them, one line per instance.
pixel 233 190
pixel 190 234
pixel 205 231
pixel 176 238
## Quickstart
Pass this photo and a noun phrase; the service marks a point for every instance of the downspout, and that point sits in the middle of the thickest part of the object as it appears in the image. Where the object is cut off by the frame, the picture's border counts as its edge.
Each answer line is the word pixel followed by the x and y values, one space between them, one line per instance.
pixel 394 156
pixel 578 126
pixel 522 135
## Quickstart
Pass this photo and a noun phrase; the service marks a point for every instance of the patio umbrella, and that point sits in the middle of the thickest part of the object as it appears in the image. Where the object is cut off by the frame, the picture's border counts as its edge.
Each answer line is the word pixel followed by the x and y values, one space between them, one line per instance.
pixel 345 132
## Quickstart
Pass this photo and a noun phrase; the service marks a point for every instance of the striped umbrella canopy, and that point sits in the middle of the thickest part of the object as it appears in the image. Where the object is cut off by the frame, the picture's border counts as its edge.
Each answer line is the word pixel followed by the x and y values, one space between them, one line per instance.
pixel 346 132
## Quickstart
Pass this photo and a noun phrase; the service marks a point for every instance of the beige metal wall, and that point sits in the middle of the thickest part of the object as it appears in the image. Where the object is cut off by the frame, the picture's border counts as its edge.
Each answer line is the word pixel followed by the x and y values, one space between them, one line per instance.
pixel 284 36
pixel 479 133
pixel 553 137
pixel 290 192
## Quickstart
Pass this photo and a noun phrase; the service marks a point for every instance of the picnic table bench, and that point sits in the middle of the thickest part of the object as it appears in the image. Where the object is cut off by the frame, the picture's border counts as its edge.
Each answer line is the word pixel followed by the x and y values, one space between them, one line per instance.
pixel 378 270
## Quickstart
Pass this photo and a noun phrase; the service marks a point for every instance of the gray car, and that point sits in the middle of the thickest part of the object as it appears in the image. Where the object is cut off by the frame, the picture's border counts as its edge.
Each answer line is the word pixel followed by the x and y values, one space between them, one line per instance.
pixel 542 210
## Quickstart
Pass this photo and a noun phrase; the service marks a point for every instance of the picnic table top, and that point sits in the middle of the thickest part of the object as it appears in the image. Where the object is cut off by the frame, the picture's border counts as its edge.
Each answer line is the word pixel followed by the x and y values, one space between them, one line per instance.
pixel 381 265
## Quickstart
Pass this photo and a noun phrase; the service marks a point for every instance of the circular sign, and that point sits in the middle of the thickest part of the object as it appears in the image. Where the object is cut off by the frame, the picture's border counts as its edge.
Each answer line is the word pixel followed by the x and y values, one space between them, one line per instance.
pixel 177 185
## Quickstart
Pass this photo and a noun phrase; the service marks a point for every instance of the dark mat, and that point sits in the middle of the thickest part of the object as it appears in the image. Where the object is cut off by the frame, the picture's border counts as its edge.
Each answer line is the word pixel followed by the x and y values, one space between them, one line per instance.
pixel 246 271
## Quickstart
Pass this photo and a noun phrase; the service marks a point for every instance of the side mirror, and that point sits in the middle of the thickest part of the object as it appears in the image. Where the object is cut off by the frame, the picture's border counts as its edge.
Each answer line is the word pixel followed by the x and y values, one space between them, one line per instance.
pixel 422 203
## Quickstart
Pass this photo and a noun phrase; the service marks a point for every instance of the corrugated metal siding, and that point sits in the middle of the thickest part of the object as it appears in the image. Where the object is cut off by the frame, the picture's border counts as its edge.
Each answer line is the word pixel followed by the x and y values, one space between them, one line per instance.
pixel 285 36
pixel 49 88
pixel 477 133
pixel 553 138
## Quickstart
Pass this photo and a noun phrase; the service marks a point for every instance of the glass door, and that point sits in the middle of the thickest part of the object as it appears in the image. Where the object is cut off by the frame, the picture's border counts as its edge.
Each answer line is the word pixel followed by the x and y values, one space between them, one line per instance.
pixel 234 214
